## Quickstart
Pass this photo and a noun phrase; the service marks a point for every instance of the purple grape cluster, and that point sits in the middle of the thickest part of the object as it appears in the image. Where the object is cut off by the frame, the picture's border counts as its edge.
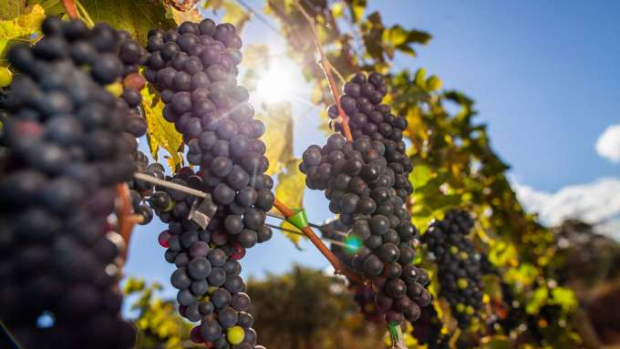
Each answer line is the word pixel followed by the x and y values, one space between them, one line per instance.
pixel 458 263
pixel 367 185
pixel 361 102
pixel 194 67
pixel 65 150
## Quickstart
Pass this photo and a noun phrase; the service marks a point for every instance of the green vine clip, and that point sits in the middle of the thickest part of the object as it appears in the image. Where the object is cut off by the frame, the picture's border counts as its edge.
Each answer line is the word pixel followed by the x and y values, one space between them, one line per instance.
pixel 299 219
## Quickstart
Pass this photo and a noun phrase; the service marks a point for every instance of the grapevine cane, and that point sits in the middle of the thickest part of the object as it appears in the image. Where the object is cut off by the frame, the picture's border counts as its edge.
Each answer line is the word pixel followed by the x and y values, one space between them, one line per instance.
pixel 327 68
pixel 69 6
pixel 335 262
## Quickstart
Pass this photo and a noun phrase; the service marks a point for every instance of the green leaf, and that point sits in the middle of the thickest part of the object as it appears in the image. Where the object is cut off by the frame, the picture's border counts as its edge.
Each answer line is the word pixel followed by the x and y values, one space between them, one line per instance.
pixel 418 36
pixel 161 133
pixel 136 17
pixel 420 78
pixel 22 27
pixel 434 83
pixel 564 297
pixel 538 300
pixel 420 175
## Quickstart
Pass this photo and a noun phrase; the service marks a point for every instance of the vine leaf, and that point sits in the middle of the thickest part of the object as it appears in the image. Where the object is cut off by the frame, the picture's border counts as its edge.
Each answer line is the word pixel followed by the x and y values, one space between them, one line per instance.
pixel 279 136
pixel 290 190
pixel 22 27
pixel 136 17
pixel 233 13
pixel 184 16
pixel 10 9
pixel 161 133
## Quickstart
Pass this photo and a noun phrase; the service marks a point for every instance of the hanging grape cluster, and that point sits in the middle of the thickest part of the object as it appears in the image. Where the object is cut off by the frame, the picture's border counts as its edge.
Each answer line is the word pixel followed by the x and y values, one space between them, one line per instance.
pixel 64 152
pixel 459 265
pixel 367 184
pixel 194 67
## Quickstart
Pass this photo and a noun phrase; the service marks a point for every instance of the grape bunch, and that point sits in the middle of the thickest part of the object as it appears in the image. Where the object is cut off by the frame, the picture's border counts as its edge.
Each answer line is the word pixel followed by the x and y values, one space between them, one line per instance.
pixel 194 67
pixel 367 185
pixel 64 151
pixel 459 265
pixel 429 330
pixel 361 103
pixel 363 295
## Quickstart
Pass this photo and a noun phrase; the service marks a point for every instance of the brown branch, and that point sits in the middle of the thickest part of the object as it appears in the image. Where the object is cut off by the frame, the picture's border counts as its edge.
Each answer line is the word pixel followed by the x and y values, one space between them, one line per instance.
pixel 327 68
pixel 316 241
pixel 69 6
pixel 126 221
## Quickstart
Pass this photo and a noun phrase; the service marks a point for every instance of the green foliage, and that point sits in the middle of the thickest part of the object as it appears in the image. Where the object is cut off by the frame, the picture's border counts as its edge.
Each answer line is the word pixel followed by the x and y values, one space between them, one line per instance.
pixel 159 323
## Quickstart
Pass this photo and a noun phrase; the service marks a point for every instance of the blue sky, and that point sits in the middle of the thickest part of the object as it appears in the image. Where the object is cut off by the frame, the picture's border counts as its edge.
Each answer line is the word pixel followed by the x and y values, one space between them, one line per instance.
pixel 545 76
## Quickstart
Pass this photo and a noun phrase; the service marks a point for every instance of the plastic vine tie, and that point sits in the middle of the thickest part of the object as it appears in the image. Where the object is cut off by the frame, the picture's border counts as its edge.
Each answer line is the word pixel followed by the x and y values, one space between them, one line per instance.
pixel 299 219
pixel 392 327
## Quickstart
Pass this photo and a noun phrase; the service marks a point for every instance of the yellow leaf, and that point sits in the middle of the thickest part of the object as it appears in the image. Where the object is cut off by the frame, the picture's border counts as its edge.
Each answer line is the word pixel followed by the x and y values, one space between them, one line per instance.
pixel 185 16
pixel 420 75
pixel 290 191
pixel 434 83
pixel 161 133
pixel 256 54
pixel 235 15
pixel 337 9
pixel 279 135
pixel 291 185
pixel 213 4
pixel 295 238
pixel 22 27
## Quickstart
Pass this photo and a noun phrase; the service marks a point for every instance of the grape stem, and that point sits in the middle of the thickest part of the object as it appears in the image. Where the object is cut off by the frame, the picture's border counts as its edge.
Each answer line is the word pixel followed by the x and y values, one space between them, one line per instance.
pixel 327 69
pixel 69 6
pixel 163 183
pixel 339 268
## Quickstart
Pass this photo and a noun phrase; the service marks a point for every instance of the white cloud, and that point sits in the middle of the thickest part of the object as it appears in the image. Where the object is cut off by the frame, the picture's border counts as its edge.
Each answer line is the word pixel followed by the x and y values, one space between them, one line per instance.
pixel 608 143
pixel 596 203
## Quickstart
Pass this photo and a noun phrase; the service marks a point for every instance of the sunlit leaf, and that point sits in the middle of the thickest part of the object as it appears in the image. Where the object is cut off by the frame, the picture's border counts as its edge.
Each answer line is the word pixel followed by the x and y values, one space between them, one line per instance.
pixel 215 5
pixel 420 77
pixel 420 175
pixel 537 301
pixel 564 297
pixel 10 9
pixel 357 9
pixel 433 83
pixel 179 17
pixel 22 27
pixel 279 135
pixel 235 15
pixel 337 10
pixel 290 191
pixel 136 17
pixel 161 133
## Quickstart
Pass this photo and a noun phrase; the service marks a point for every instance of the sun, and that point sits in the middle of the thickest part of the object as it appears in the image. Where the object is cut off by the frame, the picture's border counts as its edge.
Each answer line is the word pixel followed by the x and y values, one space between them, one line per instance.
pixel 281 82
